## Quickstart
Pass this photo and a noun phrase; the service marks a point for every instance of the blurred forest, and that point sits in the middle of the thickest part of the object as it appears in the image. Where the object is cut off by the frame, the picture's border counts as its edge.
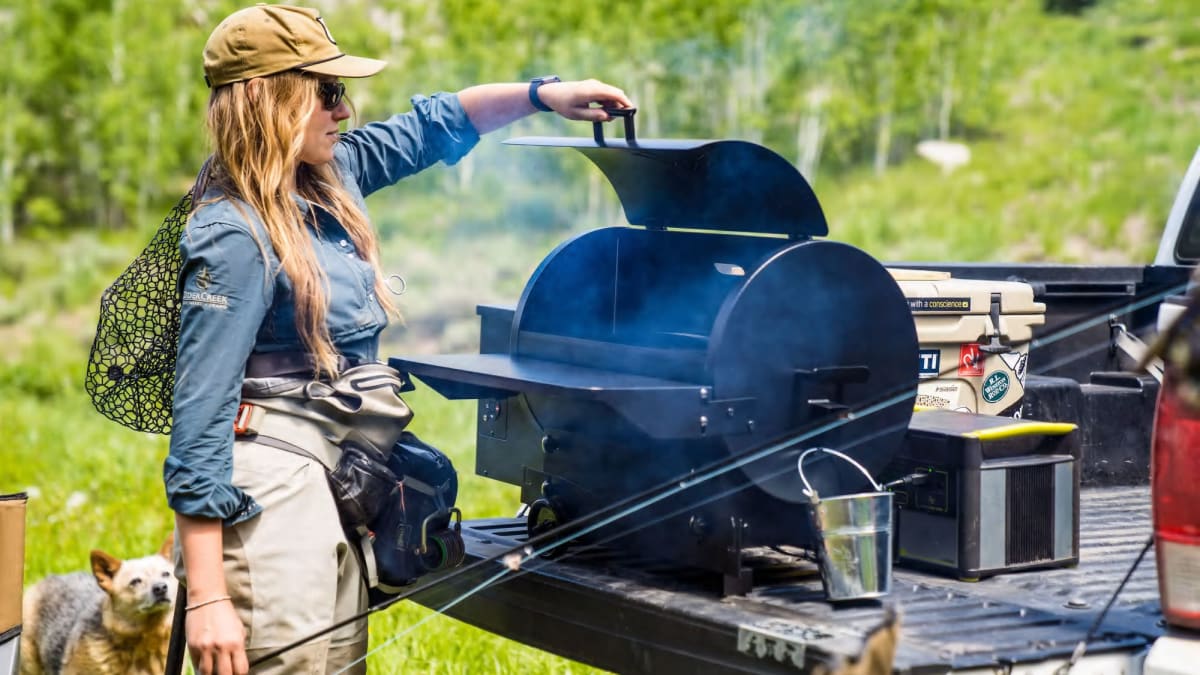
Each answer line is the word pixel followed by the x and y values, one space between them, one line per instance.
pixel 1071 120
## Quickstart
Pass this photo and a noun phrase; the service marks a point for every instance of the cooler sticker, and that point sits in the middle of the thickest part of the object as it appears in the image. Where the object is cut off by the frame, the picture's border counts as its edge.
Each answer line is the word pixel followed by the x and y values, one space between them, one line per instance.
pixel 1016 362
pixel 939 304
pixel 930 363
pixel 928 401
pixel 970 361
pixel 995 386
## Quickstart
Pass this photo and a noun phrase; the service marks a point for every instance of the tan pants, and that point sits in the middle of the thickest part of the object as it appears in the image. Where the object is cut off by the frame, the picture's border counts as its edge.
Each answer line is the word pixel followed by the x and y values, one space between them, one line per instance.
pixel 290 570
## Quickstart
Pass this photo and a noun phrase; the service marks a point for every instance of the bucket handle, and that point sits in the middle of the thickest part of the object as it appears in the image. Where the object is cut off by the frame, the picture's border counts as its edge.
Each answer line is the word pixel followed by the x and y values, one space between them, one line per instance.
pixel 809 491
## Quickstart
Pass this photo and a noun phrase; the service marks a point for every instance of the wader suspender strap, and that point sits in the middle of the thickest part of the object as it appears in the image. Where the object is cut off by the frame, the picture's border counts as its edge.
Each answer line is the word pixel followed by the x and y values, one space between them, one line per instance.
pixel 365 549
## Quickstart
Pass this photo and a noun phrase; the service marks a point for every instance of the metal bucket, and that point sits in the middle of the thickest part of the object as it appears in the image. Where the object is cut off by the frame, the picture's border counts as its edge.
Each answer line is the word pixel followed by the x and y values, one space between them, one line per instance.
pixel 855 531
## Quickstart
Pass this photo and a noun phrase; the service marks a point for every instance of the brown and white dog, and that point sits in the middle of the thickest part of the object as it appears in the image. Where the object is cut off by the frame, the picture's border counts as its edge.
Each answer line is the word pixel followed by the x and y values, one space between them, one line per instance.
pixel 115 620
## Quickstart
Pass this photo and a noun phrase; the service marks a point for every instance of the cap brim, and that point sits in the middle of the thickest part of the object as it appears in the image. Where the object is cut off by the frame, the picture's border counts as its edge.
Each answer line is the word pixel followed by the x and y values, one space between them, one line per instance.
pixel 346 66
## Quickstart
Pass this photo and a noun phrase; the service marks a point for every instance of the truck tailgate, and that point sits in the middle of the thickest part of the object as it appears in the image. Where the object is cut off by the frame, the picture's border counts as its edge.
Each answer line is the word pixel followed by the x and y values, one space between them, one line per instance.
pixel 635 615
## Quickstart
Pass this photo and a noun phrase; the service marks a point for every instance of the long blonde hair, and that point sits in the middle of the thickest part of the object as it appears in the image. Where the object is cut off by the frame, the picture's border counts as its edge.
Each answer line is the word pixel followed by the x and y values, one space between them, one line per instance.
pixel 256 148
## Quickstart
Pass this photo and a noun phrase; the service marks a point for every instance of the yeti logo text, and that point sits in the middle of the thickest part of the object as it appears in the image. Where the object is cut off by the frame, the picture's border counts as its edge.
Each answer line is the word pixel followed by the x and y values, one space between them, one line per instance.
pixel 930 362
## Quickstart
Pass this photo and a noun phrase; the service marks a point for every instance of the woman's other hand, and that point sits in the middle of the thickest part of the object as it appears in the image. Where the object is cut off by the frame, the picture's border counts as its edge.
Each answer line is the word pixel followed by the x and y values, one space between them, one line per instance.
pixel 216 640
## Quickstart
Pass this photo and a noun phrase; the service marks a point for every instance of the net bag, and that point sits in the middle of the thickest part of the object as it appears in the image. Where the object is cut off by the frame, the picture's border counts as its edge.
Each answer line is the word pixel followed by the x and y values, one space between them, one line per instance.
pixel 130 374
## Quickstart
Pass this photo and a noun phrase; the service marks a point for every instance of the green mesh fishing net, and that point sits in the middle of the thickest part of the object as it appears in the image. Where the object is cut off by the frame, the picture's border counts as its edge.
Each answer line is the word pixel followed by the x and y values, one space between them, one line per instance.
pixel 131 370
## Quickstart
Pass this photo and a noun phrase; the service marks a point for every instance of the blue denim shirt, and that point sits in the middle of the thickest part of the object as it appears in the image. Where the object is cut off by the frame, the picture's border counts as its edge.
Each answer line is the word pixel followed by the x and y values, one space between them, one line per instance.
pixel 236 303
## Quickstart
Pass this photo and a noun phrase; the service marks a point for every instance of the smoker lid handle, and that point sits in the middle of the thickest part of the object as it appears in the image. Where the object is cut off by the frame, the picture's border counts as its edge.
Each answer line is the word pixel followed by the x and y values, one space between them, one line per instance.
pixel 627 115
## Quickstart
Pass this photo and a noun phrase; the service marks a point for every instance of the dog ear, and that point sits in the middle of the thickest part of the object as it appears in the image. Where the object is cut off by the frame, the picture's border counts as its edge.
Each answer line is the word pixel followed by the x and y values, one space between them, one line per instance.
pixel 168 548
pixel 105 567
pixel 879 650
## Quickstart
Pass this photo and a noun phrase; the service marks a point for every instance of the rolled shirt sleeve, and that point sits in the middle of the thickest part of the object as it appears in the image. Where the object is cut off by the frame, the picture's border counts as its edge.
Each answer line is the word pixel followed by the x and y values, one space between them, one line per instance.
pixel 381 153
pixel 225 295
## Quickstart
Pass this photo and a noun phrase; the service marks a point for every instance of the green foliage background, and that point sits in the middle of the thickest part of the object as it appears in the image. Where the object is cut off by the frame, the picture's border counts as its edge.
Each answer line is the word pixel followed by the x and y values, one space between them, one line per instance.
pixel 1080 118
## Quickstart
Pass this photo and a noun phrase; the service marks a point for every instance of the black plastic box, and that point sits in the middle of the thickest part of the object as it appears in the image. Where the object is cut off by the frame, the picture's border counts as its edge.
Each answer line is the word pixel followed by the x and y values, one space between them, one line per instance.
pixel 978 495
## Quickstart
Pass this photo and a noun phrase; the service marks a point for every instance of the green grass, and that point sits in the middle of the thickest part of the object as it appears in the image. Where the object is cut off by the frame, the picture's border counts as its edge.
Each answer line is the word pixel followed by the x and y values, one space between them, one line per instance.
pixel 94 484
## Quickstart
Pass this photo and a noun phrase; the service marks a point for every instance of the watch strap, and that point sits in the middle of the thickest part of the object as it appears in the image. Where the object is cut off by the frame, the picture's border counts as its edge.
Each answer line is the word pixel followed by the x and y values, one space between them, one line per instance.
pixel 536 82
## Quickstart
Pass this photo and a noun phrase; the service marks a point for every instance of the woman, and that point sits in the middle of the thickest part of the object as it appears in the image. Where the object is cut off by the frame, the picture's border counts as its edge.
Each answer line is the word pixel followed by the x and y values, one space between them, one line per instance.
pixel 281 281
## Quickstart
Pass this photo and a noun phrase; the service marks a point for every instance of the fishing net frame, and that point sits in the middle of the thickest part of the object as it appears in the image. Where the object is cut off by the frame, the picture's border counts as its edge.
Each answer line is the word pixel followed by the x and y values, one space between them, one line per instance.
pixel 130 375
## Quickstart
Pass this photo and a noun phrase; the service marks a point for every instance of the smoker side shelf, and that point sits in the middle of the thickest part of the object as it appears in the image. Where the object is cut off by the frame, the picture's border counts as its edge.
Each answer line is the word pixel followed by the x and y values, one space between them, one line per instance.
pixel 631 615
pixel 580 392
pixel 481 375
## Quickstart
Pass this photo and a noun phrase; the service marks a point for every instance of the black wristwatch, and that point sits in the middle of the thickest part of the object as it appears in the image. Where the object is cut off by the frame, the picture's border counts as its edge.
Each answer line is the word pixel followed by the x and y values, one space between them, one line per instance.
pixel 533 87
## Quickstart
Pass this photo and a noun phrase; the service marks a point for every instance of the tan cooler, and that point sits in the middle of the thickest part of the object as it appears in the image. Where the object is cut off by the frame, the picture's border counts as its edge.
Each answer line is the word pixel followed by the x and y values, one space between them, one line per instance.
pixel 12 565
pixel 974 340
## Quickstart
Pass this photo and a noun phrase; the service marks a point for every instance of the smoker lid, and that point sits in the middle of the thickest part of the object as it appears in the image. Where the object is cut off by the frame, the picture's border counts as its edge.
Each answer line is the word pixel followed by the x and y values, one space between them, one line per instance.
pixel 732 186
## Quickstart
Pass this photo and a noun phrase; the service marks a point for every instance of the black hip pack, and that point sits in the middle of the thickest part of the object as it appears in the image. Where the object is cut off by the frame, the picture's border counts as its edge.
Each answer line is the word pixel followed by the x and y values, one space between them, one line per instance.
pixel 394 493
pixel 404 503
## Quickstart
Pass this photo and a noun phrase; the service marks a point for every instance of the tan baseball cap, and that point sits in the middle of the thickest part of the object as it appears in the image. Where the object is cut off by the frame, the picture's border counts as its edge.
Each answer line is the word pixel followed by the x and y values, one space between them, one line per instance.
pixel 267 39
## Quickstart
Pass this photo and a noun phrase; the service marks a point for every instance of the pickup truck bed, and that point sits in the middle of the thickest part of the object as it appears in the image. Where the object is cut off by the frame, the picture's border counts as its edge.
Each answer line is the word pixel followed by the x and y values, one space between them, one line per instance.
pixel 629 615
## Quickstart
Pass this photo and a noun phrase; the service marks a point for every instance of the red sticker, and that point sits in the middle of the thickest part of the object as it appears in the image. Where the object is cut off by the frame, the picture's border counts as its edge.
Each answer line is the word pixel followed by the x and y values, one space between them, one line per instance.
pixel 970 361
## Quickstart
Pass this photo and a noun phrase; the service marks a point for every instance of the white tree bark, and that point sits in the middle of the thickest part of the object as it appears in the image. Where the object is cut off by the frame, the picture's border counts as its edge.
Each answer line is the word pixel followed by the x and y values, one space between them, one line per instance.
pixel 887 103
pixel 947 105
pixel 810 135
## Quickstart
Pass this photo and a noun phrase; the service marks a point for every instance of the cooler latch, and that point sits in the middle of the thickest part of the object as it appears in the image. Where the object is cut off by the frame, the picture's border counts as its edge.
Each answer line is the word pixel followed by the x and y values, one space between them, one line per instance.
pixel 994 346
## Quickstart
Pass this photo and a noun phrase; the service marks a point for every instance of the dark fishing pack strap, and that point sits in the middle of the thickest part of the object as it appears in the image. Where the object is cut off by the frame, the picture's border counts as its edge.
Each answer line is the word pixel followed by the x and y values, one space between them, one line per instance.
pixel 178 640
pixel 201 184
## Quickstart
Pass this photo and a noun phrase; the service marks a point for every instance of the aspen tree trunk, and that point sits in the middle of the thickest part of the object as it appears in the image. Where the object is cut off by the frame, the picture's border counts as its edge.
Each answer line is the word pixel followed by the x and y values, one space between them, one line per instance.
pixel 947 105
pixel 110 206
pixel 751 84
pixel 886 102
pixel 8 148
pixel 8 163
pixel 646 99
pixel 810 135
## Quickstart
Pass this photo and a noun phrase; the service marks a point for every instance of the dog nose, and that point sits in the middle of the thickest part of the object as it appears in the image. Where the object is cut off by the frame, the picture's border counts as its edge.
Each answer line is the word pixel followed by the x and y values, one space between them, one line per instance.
pixel 161 589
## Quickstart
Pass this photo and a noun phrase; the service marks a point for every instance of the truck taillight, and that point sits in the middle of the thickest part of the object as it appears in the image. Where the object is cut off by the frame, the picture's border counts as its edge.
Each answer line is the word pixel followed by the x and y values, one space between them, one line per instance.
pixel 1175 476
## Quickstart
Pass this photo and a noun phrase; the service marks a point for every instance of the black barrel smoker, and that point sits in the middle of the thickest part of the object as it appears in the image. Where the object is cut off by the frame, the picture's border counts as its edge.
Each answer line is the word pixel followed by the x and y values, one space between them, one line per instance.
pixel 714 325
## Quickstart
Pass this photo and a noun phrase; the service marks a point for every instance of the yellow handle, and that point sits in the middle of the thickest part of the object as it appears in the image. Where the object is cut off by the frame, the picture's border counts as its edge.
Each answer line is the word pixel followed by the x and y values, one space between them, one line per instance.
pixel 1023 429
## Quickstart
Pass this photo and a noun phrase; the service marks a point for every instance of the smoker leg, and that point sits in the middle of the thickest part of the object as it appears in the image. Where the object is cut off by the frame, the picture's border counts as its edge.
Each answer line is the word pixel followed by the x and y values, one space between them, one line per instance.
pixel 739 583
pixel 737 579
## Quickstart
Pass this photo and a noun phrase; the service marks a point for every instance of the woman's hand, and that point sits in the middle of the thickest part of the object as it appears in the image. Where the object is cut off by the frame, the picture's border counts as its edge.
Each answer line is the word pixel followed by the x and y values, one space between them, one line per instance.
pixel 573 100
pixel 216 639
pixel 215 636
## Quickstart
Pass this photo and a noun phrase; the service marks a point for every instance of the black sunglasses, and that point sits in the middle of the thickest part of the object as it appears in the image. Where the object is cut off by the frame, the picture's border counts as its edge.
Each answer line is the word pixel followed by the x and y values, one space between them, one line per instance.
pixel 331 94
